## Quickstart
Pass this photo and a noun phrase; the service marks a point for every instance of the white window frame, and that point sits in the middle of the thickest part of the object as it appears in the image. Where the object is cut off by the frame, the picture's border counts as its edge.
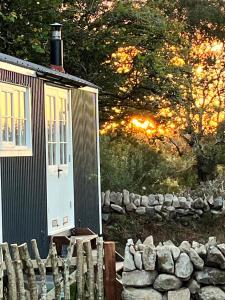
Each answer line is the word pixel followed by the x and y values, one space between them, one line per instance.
pixel 10 149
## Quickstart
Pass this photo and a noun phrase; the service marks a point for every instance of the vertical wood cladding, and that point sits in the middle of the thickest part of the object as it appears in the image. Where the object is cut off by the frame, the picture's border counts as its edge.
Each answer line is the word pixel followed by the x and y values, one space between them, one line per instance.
pixel 24 197
pixel 85 160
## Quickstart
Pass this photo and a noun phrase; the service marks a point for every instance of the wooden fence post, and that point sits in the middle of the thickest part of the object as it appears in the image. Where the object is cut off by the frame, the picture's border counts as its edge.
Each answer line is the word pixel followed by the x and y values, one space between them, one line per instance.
pixel 80 269
pixel 90 270
pixel 19 272
pixel 110 271
pixel 100 263
pixel 12 292
pixel 42 269
pixel 29 269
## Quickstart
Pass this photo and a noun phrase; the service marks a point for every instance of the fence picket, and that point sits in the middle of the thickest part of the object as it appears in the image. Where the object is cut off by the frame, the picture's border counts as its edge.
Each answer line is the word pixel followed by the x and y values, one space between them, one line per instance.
pixel 28 267
pixel 41 268
pixel 100 291
pixel 55 272
pixel 19 272
pixel 80 269
pixel 12 292
pixel 90 270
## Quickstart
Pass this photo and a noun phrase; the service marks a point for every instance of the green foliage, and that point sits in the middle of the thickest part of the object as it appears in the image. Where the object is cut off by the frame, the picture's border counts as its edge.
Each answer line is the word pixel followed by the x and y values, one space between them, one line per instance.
pixel 127 163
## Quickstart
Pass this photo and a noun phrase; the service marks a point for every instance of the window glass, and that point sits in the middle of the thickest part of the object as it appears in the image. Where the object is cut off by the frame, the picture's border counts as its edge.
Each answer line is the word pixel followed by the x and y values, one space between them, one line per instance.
pixel 14 118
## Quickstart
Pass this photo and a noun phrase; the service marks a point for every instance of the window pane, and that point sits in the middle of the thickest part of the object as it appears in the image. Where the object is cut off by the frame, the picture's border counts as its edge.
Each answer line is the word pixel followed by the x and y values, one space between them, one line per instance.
pixel 61 154
pixel 23 132
pixel 17 132
pixel 22 105
pixel 16 105
pixel 3 104
pixel 4 129
pixel 65 154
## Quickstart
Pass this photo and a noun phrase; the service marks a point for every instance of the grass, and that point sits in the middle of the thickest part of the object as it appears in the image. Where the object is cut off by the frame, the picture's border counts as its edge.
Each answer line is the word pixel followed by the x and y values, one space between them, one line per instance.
pixel 121 227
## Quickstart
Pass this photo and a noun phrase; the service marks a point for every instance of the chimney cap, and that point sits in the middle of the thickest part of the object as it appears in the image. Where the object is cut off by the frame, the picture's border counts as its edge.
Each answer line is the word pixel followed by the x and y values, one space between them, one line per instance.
pixel 56 26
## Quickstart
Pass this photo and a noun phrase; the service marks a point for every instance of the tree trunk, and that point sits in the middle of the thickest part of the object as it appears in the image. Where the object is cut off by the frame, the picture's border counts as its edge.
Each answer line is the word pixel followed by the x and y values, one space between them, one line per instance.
pixel 206 167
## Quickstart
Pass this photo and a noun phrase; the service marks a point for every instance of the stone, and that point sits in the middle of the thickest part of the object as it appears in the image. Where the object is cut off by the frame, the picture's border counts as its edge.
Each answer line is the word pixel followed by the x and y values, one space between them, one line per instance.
pixel 165 260
pixel 193 286
pixel 139 242
pixel 107 198
pixel 168 199
pixel 183 267
pixel 197 261
pixel 184 203
pixel 181 294
pixel 195 244
pixel 118 208
pixel 151 199
pixel 128 264
pixel 149 241
pixel 138 260
pixel 198 203
pixel 221 247
pixel 132 249
pixel 182 211
pixel 209 199
pixel 131 207
pixel 106 209
pixel 137 200
pixel 149 258
pixel 144 201
pixel 158 208
pixel 116 198
pixel 130 242
pixel 141 294
pixel 166 282
pixel 218 203
pixel 201 250
pixel 150 211
pixel 105 217
pixel 175 251
pixel 211 293
pixel 199 212
pixel 140 210
pixel 170 208
pixel 206 206
pixel 102 198
pixel 126 197
pixel 210 276
pixel 132 197
pixel 176 202
pixel 215 258
pixel 160 197
pixel 156 202
pixel 138 278
pixel 157 218
pixel 185 246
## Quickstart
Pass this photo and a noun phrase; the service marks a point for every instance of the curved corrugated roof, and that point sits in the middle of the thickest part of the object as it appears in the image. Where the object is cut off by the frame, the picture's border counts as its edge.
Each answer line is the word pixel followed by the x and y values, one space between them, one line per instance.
pixel 46 72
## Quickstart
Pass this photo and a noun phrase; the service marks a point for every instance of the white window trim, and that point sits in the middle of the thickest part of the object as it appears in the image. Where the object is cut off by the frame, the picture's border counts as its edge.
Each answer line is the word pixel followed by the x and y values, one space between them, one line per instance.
pixel 8 149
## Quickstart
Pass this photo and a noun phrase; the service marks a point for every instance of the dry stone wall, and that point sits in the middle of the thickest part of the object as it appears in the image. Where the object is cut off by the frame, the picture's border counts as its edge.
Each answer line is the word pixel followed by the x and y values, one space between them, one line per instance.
pixel 168 272
pixel 159 206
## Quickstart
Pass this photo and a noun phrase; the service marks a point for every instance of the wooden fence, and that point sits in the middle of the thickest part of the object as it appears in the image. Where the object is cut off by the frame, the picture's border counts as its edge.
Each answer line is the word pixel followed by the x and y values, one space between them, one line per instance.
pixel 77 276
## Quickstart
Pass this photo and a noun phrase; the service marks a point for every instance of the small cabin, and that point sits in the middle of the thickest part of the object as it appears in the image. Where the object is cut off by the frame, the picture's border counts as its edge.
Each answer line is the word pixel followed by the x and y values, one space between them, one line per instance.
pixel 49 150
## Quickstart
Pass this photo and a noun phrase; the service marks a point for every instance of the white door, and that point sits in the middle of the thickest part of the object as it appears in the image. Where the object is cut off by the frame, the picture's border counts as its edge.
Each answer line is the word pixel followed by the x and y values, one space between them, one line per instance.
pixel 60 193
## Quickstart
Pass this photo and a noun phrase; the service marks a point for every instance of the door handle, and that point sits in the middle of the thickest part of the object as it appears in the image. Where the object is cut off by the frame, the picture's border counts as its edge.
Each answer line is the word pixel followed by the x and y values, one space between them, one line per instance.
pixel 59 170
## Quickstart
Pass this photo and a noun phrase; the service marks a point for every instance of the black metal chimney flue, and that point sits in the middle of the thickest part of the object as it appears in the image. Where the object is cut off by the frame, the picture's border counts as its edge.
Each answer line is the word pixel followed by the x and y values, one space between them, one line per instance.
pixel 57 48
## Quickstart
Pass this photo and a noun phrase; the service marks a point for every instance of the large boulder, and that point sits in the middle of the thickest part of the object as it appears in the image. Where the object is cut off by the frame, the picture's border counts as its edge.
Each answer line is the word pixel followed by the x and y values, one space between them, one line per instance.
pixel 182 294
pixel 210 276
pixel 116 198
pixel 197 261
pixel 183 267
pixel 211 293
pixel 184 203
pixel 141 294
pixel 166 282
pixel 138 260
pixel 193 286
pixel 107 198
pixel 215 257
pixel 138 278
pixel 140 210
pixel 149 257
pixel 165 260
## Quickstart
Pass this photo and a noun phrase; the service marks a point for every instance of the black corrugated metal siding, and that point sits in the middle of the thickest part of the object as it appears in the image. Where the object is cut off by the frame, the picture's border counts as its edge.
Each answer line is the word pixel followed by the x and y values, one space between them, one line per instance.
pixel 24 197
pixel 85 160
